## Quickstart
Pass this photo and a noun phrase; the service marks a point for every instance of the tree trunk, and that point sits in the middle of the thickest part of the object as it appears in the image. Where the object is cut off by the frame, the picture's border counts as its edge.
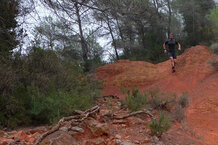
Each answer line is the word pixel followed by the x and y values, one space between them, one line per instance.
pixel 121 36
pixel 113 39
pixel 82 39
pixel 169 19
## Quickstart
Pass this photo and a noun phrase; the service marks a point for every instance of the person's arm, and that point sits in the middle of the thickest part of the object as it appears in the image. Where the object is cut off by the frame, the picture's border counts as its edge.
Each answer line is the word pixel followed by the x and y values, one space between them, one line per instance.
pixel 179 46
pixel 164 46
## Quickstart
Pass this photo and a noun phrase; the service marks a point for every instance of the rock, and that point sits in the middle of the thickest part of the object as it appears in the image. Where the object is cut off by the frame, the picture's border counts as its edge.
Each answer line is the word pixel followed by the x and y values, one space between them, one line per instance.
pixel 146 140
pixel 99 141
pixel 96 127
pixel 39 130
pixel 36 135
pixel 106 112
pixel 155 139
pixel 117 136
pixel 30 139
pixel 109 139
pixel 77 129
pixel 3 143
pixel 20 136
pixel 118 142
pixel 64 129
pixel 137 142
pixel 120 122
pixel 126 143
pixel 59 138
pixel 160 143
pixel 2 139
pixel 12 133
pixel 2 133
pixel 72 133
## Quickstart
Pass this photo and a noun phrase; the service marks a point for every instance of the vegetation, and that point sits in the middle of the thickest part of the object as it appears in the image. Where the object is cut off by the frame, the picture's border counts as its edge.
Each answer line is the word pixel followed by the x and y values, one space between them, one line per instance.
pixel 44 89
pixel 182 103
pixel 158 127
pixel 154 100
pixel 183 100
pixel 134 100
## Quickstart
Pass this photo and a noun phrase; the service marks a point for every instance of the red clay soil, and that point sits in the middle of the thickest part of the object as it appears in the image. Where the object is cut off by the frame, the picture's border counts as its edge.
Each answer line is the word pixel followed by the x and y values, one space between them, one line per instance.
pixel 194 74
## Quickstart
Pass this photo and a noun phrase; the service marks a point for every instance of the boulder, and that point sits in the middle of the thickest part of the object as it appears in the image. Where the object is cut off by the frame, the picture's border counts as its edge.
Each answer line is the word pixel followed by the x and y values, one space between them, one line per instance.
pixel 20 136
pixel 77 129
pixel 97 128
pixel 59 138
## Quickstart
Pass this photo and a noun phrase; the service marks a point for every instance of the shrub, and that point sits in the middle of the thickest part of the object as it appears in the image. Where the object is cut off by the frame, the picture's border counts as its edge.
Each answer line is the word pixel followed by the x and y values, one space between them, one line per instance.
pixel 158 127
pixel 182 103
pixel 41 88
pixel 183 100
pixel 160 101
pixel 135 100
pixel 179 113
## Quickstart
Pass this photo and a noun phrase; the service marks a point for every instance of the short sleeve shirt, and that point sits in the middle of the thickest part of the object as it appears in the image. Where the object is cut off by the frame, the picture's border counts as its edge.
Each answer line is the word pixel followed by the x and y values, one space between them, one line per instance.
pixel 171 45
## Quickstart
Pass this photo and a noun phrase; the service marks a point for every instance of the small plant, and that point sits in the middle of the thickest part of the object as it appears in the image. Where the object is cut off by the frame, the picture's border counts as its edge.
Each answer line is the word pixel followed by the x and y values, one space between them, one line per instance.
pixel 134 100
pixel 182 103
pixel 158 127
pixel 161 101
pixel 179 113
pixel 183 100
pixel 110 103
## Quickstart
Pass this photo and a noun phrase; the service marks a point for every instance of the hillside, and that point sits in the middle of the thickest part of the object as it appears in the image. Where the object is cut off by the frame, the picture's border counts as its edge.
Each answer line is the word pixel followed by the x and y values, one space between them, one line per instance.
pixel 194 75
pixel 101 125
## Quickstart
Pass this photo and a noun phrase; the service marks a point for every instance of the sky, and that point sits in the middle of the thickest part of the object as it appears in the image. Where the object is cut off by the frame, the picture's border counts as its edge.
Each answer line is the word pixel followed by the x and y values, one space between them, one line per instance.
pixel 36 17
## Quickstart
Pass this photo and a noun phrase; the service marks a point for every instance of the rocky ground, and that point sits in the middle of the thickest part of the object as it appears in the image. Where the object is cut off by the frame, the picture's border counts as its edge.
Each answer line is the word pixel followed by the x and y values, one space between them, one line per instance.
pixel 102 128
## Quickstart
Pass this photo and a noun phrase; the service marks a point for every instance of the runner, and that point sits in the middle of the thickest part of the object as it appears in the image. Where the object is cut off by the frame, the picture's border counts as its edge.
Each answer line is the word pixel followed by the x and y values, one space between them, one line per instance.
pixel 171 43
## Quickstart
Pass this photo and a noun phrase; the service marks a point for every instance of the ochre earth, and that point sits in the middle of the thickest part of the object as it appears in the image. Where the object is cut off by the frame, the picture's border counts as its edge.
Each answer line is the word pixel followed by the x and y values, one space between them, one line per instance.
pixel 194 74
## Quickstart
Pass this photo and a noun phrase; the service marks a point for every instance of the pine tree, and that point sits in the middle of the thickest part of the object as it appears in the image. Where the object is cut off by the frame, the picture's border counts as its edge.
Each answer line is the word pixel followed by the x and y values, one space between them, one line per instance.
pixel 8 23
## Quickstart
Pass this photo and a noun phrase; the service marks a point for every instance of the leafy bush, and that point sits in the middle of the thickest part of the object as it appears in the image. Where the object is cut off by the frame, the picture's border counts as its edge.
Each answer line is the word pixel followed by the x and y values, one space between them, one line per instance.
pixel 158 127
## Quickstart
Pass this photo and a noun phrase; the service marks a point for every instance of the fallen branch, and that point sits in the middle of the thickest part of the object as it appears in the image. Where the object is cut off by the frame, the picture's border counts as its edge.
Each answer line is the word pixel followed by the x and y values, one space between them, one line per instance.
pixel 136 113
pixel 77 118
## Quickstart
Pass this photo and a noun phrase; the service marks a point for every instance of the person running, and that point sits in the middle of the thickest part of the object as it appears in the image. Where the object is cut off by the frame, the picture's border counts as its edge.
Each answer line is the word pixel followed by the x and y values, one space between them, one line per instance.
pixel 171 43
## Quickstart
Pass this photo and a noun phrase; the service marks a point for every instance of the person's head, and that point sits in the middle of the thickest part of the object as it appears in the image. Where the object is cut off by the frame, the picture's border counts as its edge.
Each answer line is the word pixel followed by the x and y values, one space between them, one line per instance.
pixel 171 36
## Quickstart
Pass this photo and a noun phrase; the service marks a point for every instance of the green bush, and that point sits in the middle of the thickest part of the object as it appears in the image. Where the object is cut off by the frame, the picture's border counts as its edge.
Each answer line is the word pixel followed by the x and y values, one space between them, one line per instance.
pixel 134 100
pixel 153 99
pixel 158 127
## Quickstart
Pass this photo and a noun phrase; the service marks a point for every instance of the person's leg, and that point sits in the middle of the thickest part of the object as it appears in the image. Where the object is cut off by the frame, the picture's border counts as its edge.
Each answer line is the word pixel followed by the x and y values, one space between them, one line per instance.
pixel 174 58
pixel 170 54
pixel 172 62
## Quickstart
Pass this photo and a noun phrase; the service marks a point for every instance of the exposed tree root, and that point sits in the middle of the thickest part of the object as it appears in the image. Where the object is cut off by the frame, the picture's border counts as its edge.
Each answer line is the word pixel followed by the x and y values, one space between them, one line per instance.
pixel 77 118
pixel 135 113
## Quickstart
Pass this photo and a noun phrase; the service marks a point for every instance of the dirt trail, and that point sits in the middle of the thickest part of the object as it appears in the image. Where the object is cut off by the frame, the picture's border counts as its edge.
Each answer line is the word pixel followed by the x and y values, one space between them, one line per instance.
pixel 194 75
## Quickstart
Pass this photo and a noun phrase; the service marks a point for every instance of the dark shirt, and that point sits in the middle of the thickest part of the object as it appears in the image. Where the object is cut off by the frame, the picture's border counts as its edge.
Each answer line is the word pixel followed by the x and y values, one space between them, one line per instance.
pixel 171 45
